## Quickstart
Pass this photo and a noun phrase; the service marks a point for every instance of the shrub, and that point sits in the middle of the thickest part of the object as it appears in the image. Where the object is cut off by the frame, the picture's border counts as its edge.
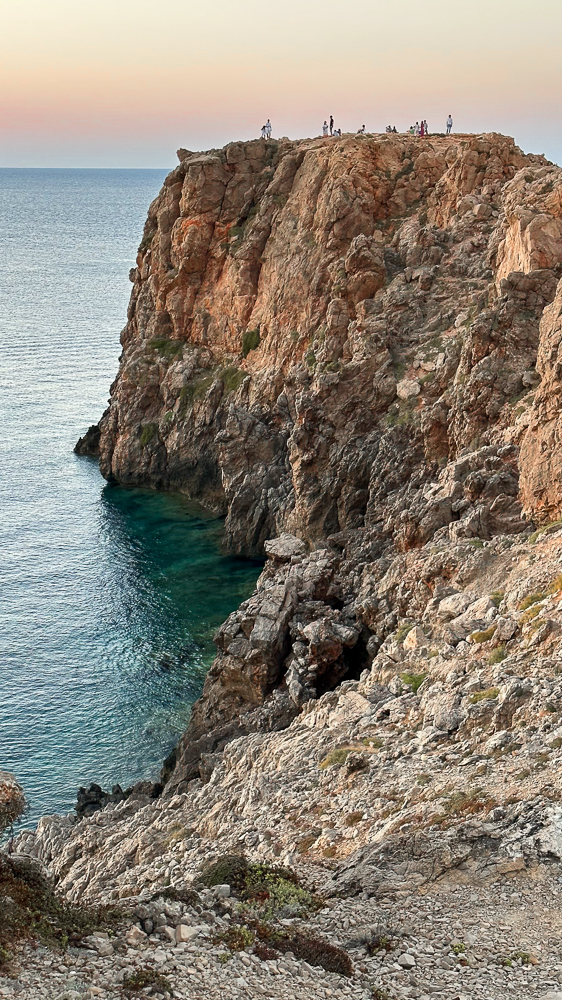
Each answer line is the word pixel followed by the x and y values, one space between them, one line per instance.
pixel 12 801
pixel 231 869
pixel 497 597
pixel 545 529
pixel 269 887
pixel 403 629
pixel 532 599
pixel 497 655
pixel 140 979
pixel 250 342
pixel 314 950
pixel 232 378
pixel 483 636
pixel 556 585
pixel 413 680
pixel 32 910
pixel 466 803
pixel 168 349
pixel 237 937
pixel 337 757
pixel 488 695
pixel 529 614
pixel 147 432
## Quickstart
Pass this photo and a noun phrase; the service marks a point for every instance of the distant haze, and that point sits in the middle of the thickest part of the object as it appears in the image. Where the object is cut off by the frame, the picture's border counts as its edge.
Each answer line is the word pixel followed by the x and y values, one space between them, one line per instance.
pixel 123 83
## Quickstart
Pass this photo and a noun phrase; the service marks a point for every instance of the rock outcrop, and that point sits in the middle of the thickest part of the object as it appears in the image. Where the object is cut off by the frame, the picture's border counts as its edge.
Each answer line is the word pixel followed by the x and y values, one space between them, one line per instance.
pixel 337 341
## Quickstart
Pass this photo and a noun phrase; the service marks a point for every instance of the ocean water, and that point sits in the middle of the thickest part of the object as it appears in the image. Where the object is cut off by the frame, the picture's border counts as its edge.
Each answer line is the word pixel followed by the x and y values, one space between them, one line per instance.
pixel 108 596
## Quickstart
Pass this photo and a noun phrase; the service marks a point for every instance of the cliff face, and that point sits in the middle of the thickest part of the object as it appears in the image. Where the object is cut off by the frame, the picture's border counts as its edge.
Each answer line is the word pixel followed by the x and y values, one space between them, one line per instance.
pixel 335 343
pixel 314 322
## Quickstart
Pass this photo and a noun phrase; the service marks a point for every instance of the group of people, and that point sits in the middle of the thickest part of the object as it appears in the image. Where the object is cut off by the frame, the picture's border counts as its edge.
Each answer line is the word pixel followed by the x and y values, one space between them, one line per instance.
pixel 420 128
pixel 329 129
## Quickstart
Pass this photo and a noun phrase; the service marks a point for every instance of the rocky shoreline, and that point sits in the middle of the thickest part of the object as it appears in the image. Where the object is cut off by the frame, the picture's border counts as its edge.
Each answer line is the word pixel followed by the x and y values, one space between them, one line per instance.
pixel 352 350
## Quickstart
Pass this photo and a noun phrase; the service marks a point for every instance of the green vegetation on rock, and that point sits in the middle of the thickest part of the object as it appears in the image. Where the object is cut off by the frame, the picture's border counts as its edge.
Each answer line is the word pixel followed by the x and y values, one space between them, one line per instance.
pixel 31 910
pixel 168 349
pixel 250 342
pixel 413 680
pixel 147 432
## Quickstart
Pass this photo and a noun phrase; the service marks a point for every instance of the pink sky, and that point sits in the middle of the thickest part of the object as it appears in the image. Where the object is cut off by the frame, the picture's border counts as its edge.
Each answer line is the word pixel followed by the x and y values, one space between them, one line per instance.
pixel 120 84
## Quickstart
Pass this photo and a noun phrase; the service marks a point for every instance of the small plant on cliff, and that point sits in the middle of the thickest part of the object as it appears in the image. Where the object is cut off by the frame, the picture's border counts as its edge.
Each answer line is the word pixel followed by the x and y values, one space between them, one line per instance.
pixel 414 681
pixel 305 947
pixel 147 432
pixel 31 910
pixel 250 342
pixel 262 887
pixel 545 529
pixel 497 655
pixel 12 801
pixel 335 758
pixel 488 695
pixel 485 636
pixel 232 378
pixel 403 629
pixel 531 599
pixel 139 980
pixel 168 349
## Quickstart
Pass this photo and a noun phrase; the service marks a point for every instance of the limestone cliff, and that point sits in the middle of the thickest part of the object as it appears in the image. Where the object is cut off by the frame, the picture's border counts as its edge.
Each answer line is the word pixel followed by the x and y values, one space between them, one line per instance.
pixel 337 340
pixel 352 348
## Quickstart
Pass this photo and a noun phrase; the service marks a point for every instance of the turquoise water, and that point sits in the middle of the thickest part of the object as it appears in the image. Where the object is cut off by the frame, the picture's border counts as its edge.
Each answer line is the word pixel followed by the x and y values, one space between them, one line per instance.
pixel 109 597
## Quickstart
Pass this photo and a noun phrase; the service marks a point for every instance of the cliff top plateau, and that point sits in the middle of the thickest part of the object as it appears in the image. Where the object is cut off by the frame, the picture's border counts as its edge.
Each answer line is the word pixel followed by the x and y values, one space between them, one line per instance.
pixel 351 348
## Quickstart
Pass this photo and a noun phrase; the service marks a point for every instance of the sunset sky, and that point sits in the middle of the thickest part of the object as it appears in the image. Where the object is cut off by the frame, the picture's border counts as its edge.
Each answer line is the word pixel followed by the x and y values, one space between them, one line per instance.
pixel 122 83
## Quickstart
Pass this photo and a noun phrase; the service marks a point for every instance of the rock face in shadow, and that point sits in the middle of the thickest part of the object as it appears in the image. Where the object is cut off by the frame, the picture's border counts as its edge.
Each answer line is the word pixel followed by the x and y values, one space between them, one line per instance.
pixel 541 447
pixel 334 342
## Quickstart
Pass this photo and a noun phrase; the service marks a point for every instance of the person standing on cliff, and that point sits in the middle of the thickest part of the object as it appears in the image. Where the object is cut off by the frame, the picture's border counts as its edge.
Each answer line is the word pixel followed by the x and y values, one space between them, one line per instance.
pixel 268 128
pixel 425 128
pixel 331 124
pixel 449 125
pixel 325 128
pixel 264 132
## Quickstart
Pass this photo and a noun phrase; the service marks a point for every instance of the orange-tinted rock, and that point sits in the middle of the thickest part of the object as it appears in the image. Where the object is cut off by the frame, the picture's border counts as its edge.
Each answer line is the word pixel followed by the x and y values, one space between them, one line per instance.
pixel 541 447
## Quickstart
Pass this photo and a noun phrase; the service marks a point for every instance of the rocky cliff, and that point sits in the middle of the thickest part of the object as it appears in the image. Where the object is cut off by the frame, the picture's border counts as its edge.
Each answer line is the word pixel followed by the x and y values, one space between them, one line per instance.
pixel 355 343
pixel 351 348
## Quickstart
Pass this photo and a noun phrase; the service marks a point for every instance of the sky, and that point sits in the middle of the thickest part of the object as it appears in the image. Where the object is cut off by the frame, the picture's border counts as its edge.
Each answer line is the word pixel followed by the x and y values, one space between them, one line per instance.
pixel 123 83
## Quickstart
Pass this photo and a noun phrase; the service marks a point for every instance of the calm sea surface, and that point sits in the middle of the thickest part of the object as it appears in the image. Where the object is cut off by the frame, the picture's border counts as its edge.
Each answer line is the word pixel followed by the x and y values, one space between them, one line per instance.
pixel 108 596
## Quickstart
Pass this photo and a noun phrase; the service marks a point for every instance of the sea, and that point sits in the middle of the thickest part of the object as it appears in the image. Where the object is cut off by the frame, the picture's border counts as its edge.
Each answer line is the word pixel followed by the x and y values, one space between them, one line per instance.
pixel 109 597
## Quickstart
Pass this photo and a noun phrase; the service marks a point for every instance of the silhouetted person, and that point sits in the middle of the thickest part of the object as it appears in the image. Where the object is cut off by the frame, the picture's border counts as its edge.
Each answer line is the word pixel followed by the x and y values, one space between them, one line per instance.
pixel 331 124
